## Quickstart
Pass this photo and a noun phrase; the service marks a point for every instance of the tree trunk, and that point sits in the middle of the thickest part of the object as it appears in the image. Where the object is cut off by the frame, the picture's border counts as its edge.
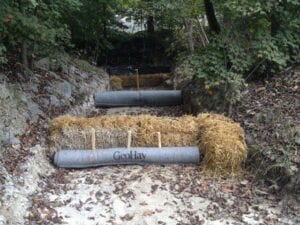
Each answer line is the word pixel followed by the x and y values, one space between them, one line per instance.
pixel 150 25
pixel 104 22
pixel 274 25
pixel 24 47
pixel 211 16
pixel 189 29
pixel 24 54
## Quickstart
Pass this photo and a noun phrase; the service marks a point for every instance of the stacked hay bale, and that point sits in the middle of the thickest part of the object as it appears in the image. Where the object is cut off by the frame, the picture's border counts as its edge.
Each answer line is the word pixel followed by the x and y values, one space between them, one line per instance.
pixel 221 140
pixel 145 80
pixel 116 83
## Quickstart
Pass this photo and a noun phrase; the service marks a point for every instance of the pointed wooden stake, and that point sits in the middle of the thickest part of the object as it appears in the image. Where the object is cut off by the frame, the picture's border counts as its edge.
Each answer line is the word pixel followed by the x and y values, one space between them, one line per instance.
pixel 93 139
pixel 129 139
pixel 137 79
pixel 159 139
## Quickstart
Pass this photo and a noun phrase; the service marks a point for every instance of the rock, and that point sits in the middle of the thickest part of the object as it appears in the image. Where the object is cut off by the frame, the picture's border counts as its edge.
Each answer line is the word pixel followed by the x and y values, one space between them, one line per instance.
pixel 54 75
pixel 62 89
pixel 31 86
pixel 14 112
pixel 4 91
pixel 33 110
pixel 43 64
pixel 84 75
pixel 3 220
pixel 44 102
pixel 54 101
pixel 269 117
pixel 297 136
pixel 10 139
pixel 249 139
pixel 71 70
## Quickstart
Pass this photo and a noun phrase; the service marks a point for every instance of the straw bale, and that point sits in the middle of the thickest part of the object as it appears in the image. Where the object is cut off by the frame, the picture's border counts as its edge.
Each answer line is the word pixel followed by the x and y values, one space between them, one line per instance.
pixel 111 131
pixel 116 83
pixel 220 139
pixel 145 80
pixel 222 142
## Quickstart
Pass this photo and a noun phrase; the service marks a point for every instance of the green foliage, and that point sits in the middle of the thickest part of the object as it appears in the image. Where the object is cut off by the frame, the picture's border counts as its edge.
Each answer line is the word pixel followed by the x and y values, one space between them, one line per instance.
pixel 167 14
pixel 37 23
pixel 211 67
pixel 257 38
pixel 94 26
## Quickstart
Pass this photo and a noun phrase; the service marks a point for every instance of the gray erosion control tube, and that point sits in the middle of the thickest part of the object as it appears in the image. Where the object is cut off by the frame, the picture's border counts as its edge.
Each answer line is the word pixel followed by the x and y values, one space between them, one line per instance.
pixel 117 156
pixel 138 98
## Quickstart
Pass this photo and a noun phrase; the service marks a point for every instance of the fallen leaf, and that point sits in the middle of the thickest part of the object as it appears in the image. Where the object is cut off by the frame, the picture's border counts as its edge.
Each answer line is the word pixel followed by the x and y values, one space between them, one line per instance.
pixel 148 212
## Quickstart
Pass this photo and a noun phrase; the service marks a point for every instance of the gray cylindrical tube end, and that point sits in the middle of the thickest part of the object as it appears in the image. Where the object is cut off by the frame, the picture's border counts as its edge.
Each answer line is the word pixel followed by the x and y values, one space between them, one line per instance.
pixel 138 98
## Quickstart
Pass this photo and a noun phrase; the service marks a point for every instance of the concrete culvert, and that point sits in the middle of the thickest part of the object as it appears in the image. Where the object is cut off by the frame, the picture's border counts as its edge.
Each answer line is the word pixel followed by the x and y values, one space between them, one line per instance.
pixel 118 156
pixel 138 98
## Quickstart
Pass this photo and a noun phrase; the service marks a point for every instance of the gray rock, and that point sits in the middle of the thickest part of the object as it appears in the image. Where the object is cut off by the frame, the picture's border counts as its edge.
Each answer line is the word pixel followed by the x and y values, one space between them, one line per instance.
pixel 10 139
pixel 31 86
pixel 33 110
pixel 43 64
pixel 297 136
pixel 69 69
pixel 44 102
pixel 54 101
pixel 62 89
pixel 249 139
pixel 54 75
pixel 4 92
pixel 269 117
pixel 14 112
pixel 3 220
pixel 84 75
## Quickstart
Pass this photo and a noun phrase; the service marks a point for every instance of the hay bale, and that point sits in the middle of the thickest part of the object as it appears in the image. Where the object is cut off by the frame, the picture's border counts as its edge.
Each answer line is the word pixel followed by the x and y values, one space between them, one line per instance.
pixel 111 131
pixel 116 83
pixel 145 80
pixel 221 141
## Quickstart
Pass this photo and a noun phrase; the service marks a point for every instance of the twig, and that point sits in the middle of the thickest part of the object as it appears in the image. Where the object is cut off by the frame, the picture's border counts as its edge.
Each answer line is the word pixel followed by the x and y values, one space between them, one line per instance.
pixel 255 68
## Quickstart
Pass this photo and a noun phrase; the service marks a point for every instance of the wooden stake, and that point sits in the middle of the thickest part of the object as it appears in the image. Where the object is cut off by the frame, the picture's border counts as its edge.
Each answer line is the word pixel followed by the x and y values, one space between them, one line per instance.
pixel 137 79
pixel 159 139
pixel 93 139
pixel 129 139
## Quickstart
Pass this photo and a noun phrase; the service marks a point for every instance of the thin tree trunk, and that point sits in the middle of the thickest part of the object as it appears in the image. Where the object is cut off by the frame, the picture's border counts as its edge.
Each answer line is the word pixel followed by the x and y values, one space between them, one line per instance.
pixel 202 33
pixel 24 47
pixel 274 25
pixel 24 54
pixel 211 17
pixel 150 25
pixel 189 28
pixel 104 22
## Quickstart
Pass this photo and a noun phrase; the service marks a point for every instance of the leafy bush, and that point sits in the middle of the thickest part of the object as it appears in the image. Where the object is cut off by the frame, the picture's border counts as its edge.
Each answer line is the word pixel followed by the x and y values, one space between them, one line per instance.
pixel 2 54
pixel 218 68
pixel 257 39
